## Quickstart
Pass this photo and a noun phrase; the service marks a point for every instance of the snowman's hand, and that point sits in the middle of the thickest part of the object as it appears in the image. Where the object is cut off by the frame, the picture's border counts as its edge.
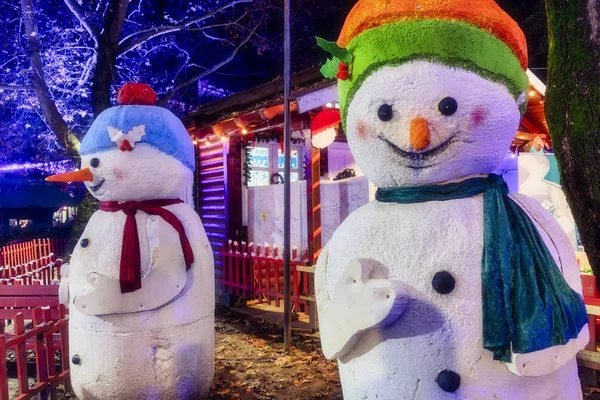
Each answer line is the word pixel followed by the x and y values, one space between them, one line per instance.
pixel 359 304
pixel 546 361
pixel 63 289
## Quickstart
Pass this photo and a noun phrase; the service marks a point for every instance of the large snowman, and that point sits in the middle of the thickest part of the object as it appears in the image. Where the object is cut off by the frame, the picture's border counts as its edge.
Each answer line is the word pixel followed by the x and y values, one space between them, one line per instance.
pixel 140 283
pixel 444 287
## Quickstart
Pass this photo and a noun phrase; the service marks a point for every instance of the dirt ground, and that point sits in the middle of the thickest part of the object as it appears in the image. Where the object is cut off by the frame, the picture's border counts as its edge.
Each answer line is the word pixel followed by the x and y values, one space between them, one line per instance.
pixel 250 364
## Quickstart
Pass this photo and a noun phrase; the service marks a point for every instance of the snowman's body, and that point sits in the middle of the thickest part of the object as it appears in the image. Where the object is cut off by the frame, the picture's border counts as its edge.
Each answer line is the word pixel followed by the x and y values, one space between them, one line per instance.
pixel 165 353
pixel 409 243
pixel 395 333
pixel 140 284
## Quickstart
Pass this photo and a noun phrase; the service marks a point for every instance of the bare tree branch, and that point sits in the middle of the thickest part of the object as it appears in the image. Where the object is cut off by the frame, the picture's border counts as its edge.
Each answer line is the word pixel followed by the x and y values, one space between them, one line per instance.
pixel 55 120
pixel 209 71
pixel 15 88
pixel 85 22
pixel 108 44
pixel 136 39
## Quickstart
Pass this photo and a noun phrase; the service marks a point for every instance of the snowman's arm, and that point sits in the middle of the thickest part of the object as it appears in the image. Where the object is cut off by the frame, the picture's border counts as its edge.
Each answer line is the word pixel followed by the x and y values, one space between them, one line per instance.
pixel 545 361
pixel 359 305
pixel 63 289
pixel 165 279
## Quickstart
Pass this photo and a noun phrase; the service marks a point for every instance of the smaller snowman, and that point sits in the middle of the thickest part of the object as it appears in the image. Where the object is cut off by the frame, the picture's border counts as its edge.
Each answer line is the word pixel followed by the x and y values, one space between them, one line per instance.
pixel 140 284
pixel 445 287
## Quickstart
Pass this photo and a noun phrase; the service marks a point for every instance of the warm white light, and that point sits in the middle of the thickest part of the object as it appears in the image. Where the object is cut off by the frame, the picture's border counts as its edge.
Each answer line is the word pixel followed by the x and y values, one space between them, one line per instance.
pixel 244 131
pixel 223 138
pixel 532 93
pixel 207 142
pixel 195 142
pixel 324 139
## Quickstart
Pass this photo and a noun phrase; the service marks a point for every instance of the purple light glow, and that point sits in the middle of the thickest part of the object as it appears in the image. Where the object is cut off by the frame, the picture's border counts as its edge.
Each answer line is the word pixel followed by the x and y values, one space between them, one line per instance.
pixel 50 167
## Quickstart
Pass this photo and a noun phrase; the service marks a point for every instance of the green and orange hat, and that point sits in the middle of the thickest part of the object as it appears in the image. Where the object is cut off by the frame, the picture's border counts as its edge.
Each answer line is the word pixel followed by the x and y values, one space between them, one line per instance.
pixel 475 35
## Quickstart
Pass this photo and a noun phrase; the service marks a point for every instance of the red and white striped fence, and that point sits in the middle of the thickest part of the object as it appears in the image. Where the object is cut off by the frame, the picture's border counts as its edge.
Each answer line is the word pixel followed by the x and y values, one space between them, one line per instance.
pixel 22 253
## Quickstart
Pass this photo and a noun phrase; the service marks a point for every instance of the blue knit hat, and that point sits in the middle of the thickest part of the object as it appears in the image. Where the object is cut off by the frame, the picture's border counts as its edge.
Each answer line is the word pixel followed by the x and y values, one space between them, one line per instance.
pixel 152 125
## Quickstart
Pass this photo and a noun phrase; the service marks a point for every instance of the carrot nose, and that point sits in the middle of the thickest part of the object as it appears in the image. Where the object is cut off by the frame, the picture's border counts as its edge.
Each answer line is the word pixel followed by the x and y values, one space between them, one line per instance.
pixel 83 175
pixel 419 133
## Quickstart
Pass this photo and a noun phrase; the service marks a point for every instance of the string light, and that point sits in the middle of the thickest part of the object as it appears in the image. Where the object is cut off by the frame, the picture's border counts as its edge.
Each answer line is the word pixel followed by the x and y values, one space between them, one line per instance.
pixel 223 138
pixel 532 93
pixel 244 131
pixel 195 142
pixel 207 142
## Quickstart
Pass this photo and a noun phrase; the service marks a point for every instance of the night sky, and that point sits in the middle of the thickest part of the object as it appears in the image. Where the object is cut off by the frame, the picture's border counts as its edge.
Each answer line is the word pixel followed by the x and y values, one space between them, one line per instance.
pixel 164 62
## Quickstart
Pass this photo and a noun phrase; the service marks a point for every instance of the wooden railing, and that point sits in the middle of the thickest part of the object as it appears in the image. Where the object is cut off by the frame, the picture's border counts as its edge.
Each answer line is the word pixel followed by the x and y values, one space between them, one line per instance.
pixel 46 336
pixel 255 274
pixel 22 253
pixel 44 271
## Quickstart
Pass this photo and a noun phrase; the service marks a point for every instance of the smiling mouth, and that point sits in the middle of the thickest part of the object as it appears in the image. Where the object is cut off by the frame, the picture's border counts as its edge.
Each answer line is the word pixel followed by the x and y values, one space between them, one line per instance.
pixel 422 156
pixel 95 188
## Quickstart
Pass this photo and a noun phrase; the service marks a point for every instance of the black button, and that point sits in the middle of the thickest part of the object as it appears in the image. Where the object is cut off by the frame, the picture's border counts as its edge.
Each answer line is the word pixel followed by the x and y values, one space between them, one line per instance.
pixel 448 381
pixel 443 282
pixel 76 360
pixel 94 162
pixel 85 242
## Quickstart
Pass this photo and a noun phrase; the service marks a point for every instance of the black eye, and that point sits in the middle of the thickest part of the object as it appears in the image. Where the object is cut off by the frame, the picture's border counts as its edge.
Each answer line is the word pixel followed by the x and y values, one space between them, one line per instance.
pixel 94 162
pixel 385 113
pixel 448 106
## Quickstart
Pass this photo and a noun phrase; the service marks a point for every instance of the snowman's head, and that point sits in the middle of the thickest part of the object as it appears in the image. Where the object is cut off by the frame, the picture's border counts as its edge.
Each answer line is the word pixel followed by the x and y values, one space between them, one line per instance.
pixel 430 91
pixel 135 151
pixel 142 174
pixel 423 123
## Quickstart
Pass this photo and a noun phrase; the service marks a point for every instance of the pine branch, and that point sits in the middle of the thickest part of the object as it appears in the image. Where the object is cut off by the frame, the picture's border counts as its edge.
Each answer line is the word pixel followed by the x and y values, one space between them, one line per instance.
pixel 85 22
pixel 136 39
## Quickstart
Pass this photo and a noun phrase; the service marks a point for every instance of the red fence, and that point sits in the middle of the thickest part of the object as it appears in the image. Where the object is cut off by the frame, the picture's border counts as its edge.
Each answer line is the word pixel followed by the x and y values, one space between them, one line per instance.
pixel 256 274
pixel 45 337
pixel 44 271
pixel 22 253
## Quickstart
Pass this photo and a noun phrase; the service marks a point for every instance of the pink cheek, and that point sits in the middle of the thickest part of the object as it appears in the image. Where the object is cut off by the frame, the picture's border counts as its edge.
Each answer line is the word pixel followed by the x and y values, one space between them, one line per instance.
pixel 478 117
pixel 362 130
pixel 118 174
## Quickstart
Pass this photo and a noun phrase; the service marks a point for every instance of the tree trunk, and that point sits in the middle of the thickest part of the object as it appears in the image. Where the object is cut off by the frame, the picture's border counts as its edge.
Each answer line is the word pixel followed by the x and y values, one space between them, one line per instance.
pixel 573 112
pixel 65 136
pixel 108 50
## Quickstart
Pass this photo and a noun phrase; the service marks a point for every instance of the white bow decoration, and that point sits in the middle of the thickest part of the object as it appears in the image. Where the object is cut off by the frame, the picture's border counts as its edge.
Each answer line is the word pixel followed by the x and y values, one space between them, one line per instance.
pixel 126 141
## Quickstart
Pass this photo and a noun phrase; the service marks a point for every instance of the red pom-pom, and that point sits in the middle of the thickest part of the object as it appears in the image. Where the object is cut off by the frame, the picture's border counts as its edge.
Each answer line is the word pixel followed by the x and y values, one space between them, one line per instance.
pixel 136 94
pixel 342 66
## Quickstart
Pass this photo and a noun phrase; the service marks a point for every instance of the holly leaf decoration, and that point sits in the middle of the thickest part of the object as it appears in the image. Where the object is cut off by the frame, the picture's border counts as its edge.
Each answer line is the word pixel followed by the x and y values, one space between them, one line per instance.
pixel 340 55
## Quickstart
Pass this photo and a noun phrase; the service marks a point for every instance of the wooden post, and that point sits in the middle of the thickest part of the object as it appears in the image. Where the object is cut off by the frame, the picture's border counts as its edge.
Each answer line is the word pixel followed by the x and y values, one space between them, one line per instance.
pixel 313 204
pixel 21 355
pixel 40 352
pixel 3 370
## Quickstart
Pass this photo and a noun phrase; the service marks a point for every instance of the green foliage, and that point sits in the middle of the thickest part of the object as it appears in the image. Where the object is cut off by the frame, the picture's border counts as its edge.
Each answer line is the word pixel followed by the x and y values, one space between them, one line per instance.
pixel 88 206
pixel 247 162
pixel 340 54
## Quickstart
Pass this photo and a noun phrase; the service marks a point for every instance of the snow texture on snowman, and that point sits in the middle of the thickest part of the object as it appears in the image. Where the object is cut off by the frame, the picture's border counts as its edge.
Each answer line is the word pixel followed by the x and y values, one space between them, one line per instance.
pixel 445 287
pixel 140 284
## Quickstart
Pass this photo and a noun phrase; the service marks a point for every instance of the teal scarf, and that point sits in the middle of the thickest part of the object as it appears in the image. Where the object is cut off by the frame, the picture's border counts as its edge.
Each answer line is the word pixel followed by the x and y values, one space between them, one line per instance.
pixel 527 304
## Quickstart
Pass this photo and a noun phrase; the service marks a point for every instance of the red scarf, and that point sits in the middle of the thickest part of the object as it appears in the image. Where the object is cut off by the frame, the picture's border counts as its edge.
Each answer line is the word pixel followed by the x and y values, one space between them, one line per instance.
pixel 130 269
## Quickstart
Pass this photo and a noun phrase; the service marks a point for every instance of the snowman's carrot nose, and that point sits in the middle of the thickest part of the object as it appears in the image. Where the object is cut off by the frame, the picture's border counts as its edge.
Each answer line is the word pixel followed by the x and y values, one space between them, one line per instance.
pixel 83 175
pixel 419 133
